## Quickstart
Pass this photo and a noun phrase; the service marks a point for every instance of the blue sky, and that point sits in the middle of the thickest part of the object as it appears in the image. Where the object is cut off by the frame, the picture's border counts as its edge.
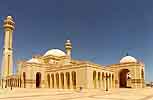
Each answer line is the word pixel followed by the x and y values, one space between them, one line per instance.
pixel 102 31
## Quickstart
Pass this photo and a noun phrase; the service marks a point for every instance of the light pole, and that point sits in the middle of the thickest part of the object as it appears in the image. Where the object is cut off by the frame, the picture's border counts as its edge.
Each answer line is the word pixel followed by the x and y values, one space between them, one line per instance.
pixel 11 83
pixel 107 81
pixel 2 82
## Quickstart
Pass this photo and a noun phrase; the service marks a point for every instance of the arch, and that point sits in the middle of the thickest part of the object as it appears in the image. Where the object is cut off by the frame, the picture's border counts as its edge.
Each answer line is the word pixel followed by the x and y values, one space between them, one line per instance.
pixel 38 79
pixel 52 76
pixel 62 80
pixel 94 78
pixel 68 79
pixel 24 79
pixel 74 79
pixel 48 80
pixel 57 80
pixel 123 78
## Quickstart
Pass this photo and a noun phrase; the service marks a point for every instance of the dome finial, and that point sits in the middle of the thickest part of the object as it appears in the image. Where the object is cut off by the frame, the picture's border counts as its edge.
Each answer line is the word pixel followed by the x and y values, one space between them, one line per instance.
pixel 127 54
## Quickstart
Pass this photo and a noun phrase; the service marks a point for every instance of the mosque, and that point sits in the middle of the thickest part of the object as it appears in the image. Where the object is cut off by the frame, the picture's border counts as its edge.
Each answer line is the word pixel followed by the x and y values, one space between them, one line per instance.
pixel 56 69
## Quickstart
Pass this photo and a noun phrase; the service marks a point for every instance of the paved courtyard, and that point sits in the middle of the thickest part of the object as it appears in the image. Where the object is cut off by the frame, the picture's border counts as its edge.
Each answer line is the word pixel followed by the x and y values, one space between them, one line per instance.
pixel 50 94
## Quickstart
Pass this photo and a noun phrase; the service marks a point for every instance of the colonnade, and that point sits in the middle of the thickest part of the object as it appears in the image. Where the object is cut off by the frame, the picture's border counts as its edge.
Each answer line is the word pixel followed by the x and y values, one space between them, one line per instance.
pixel 12 82
pixel 62 80
pixel 103 80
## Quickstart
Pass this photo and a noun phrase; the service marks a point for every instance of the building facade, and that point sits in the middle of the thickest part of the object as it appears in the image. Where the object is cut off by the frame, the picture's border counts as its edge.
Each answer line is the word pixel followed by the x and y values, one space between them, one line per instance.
pixel 56 69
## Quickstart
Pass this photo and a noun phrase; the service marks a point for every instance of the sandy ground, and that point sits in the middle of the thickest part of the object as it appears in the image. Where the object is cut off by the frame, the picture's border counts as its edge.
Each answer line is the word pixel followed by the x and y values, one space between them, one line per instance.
pixel 53 94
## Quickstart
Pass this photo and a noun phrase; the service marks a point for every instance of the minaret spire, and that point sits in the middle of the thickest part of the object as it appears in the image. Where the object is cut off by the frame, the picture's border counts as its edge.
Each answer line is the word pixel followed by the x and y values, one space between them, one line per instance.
pixel 7 61
pixel 68 48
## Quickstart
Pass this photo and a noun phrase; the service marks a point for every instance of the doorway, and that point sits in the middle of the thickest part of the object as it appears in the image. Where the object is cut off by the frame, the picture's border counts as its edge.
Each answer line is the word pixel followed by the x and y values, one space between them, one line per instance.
pixel 38 79
pixel 123 78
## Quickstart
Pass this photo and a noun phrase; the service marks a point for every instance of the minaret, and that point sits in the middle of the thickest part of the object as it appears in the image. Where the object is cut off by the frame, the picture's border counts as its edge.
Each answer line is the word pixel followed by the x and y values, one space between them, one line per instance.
pixel 7 61
pixel 68 48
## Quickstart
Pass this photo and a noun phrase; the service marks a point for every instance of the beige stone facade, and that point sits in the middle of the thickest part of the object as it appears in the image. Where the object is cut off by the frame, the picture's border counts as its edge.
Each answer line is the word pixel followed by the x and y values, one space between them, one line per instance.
pixel 56 69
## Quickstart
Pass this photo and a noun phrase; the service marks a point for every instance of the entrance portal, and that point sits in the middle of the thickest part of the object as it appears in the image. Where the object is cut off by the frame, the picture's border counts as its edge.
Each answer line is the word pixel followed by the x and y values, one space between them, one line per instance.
pixel 38 79
pixel 123 78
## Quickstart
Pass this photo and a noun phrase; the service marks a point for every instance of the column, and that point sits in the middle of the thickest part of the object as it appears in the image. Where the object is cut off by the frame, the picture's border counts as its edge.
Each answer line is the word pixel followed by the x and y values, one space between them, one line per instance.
pixel 99 80
pixel 65 81
pixel 110 80
pixel 55 82
pixel 104 81
pixel 50 80
pixel 71 84
pixel 60 84
pixel 96 80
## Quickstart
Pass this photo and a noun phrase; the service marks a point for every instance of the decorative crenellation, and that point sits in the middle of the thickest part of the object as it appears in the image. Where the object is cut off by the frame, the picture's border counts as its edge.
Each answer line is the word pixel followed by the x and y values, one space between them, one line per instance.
pixel 9 24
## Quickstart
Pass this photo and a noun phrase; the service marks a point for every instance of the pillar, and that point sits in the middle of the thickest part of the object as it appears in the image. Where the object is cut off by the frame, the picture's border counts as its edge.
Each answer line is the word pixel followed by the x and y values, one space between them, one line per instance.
pixel 104 81
pixel 65 81
pixel 110 80
pixel 71 84
pixel 55 82
pixel 60 83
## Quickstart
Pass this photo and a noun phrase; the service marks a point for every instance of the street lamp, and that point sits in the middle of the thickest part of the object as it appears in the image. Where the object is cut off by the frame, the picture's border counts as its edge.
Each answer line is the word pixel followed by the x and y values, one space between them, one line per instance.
pixel 2 83
pixel 107 77
pixel 11 83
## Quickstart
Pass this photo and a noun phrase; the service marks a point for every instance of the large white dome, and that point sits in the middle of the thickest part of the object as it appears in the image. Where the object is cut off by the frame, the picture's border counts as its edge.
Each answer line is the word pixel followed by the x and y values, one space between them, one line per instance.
pixel 128 59
pixel 33 60
pixel 55 52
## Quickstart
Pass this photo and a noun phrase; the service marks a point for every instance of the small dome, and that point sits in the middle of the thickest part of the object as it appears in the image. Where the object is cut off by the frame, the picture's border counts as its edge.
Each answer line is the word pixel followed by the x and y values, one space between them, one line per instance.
pixel 33 60
pixel 128 59
pixel 55 52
